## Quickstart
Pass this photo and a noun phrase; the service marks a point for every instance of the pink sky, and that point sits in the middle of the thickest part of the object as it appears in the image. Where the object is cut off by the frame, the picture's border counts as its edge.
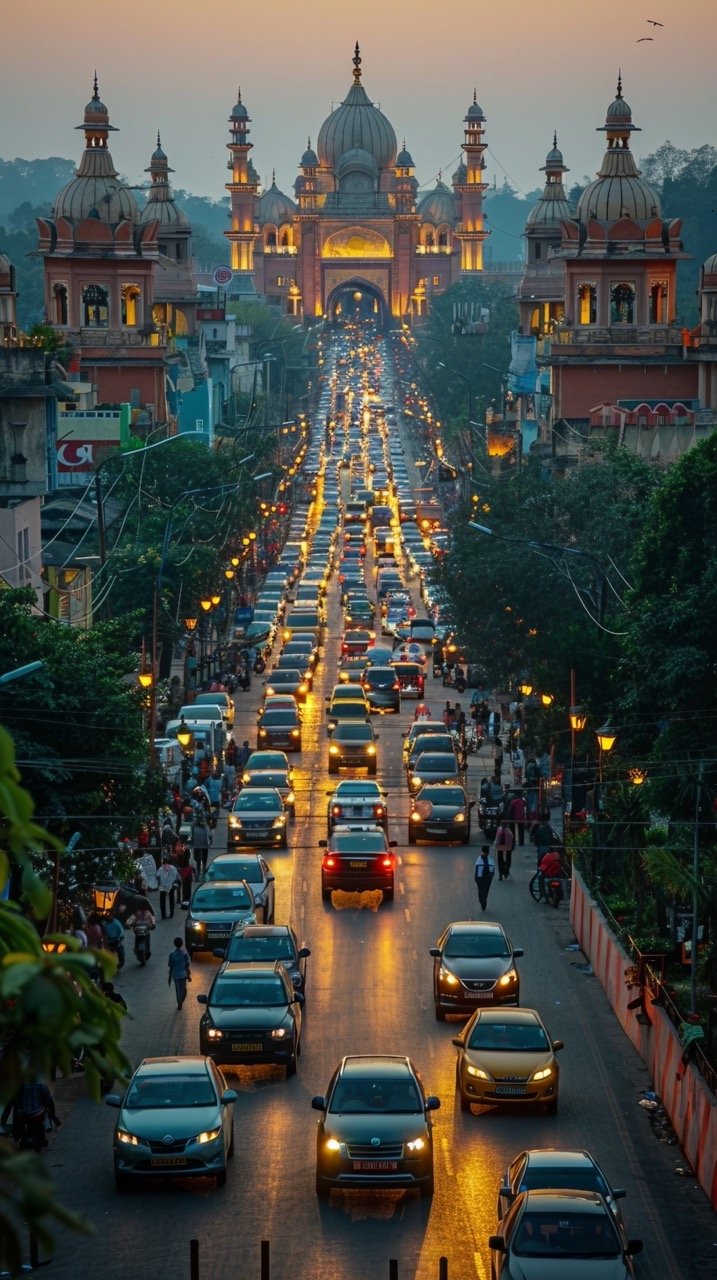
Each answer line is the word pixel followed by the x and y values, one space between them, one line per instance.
pixel 537 65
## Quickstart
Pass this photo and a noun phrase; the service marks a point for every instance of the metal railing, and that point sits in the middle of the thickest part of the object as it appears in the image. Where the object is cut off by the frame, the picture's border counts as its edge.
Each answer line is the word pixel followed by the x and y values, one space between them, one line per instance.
pixel 265 1263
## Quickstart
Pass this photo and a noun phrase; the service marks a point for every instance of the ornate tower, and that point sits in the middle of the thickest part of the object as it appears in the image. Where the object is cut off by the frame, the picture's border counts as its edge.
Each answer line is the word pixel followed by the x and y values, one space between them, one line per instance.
pixel 175 286
pixel 242 190
pixel 541 291
pixel 470 187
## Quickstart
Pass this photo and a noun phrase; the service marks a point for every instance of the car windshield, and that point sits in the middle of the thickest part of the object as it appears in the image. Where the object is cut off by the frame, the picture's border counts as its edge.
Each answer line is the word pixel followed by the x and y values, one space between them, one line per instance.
pixel 158 1092
pixel 437 743
pixel 233 993
pixel 436 764
pixel 279 718
pixel 220 897
pixel 287 675
pixel 266 780
pixel 444 795
pixel 367 1097
pixel 348 710
pixel 551 1177
pixel 354 733
pixel 509 1037
pixel 566 1235
pixel 262 947
pixel 234 869
pixel 359 842
pixel 258 802
pixel 476 946
pixel 359 789
pixel 380 678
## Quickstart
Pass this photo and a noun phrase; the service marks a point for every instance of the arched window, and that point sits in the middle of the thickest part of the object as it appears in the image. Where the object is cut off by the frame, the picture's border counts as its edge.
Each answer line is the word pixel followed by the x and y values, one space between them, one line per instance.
pixel 131 294
pixel 95 306
pixel 622 302
pixel 442 239
pixel 271 239
pixel 429 240
pixel 658 302
pixel 285 240
pixel 59 293
pixel 587 302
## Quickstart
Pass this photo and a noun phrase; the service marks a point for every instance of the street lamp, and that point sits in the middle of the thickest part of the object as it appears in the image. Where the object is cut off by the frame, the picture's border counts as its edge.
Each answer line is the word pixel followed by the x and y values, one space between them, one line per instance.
pixel 216 600
pixel 526 689
pixel 578 719
pixel 104 895
pixel 229 574
pixel 547 699
pixel 191 623
pixel 206 603
pixel 184 735
pixel 606 739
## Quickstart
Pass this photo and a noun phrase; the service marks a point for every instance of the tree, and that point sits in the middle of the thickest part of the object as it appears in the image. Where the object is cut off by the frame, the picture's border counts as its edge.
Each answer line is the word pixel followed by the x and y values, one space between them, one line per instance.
pixel 51 1010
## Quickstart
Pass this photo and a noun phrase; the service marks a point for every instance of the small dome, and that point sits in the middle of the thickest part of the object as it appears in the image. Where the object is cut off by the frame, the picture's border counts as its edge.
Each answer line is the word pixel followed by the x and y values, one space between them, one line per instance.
pixel 404 159
pixel 710 265
pixel 164 211
pixel 356 159
pixel 102 197
pixel 239 111
pixel 554 158
pixel 438 205
pixel 475 111
pixel 309 160
pixel 619 109
pixel 460 175
pixel 548 212
pixel 158 155
pixel 275 207
pixel 609 198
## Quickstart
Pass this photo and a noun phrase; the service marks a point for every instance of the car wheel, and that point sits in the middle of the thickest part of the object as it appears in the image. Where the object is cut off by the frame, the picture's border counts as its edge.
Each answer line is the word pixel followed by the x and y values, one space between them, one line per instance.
pixel 222 1177
pixel 325 893
pixel 230 1151
pixel 440 1014
pixel 551 1108
pixel 467 837
pixel 322 1190
pixel 411 838
pixel 122 1182
pixel 427 1188
pixel 464 1103
pixel 291 1066
pixel 285 843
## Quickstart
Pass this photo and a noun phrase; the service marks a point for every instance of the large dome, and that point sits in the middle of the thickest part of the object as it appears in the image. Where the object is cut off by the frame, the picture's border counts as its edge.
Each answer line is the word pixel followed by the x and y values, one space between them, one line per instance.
pixel 357 124
pixel 619 191
pixel 100 196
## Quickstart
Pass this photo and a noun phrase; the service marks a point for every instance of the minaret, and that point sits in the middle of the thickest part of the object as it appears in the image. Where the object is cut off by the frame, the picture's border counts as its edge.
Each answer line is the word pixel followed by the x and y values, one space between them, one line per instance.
pixel 242 190
pixel 305 187
pixel 470 232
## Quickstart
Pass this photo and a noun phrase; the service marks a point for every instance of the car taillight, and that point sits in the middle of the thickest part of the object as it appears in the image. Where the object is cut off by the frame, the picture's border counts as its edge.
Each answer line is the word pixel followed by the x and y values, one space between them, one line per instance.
pixel 421 684
pixel 336 810
pixel 396 685
pixel 344 648
pixel 329 862
pixel 387 861
pixel 378 811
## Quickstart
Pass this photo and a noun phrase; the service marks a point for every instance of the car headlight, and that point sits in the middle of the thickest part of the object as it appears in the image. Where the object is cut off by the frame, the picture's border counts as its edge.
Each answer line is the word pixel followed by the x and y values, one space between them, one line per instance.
pixel 196 925
pixel 262 731
pixel 213 1033
pixel 333 1145
pixel 280 821
pixel 129 1139
pixel 543 1073
pixel 445 975
pixel 415 816
pixel 370 750
pixel 460 817
pixel 279 1033
pixel 209 1135
pixel 245 777
pixel 234 821
pixel 295 733
pixel 303 688
pixel 270 691
pixel 508 978
pixel 289 798
pixel 417 1144
pixel 416 782
pixel 333 750
pixel 478 1072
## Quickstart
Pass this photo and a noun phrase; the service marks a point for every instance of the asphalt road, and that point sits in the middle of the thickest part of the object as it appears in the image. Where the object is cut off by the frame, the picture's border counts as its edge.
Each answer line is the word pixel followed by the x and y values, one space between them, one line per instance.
pixel 369 989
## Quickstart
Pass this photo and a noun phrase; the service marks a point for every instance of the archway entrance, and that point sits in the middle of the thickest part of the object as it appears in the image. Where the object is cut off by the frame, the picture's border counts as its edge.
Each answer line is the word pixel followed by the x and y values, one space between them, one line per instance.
pixel 357 300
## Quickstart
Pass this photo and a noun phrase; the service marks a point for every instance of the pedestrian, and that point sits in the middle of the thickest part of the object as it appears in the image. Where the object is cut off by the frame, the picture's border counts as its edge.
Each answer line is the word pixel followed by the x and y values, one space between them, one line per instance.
pixel 532 780
pixel 518 814
pixel 504 849
pixel 114 938
pixel 484 873
pixel 201 839
pixel 497 759
pixel 95 936
pixel 543 837
pixel 243 755
pixel 108 989
pixel 180 971
pixel 518 763
pixel 168 879
pixel 168 836
pixel 186 876
pixel 147 870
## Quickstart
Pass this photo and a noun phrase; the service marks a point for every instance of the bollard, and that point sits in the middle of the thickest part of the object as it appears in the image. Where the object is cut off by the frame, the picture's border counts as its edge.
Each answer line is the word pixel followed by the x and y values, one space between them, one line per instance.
pixel 193 1260
pixel 393 1269
pixel 442 1269
pixel 264 1270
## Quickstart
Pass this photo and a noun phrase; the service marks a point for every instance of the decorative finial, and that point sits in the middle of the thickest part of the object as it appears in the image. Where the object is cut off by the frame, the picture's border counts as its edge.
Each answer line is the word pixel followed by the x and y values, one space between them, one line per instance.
pixel 475 98
pixel 619 83
pixel 308 143
pixel 273 177
pixel 440 175
pixel 159 140
pixel 555 140
pixel 95 89
pixel 239 94
pixel 404 144
pixel 357 63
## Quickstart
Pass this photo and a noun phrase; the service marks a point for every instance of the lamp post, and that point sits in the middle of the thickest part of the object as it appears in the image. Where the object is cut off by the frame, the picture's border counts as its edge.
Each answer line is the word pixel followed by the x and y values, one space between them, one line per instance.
pixel 606 739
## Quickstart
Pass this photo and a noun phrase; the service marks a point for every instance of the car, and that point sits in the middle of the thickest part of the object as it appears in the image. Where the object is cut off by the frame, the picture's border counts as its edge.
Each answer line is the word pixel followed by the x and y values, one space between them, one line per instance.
pixel 353 746
pixel 441 742
pixel 410 678
pixel 295 662
pixel 259 760
pixel 434 766
pixel 375 1127
pixel 420 726
pixel 218 699
pixel 351 669
pixel 357 801
pixel 257 817
pixel 279 728
pixel 474 965
pixel 505 1056
pixel 545 1169
pixel 356 642
pixel 358 857
pixel 252 868
pixel 440 811
pixel 252 1015
pixel 303 648
pixel 382 689
pixel 279 702
pixel 263 942
pixel 561 1233
pixel 346 711
pixel 277 779
pixel 377 655
pixel 175 1120
pixel 347 691
pixel 288 680
pixel 213 911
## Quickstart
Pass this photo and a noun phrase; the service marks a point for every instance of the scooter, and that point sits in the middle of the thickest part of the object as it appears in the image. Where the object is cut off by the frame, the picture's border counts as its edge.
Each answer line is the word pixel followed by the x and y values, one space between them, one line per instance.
pixel 142 946
pixel 554 891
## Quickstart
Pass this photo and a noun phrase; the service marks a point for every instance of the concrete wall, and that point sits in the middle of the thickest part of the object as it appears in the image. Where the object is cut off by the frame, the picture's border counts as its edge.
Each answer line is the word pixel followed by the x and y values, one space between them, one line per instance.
pixel 691 1106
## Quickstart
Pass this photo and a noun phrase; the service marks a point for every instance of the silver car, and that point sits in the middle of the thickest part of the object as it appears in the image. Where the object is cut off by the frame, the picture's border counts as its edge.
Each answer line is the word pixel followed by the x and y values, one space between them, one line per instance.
pixel 175 1120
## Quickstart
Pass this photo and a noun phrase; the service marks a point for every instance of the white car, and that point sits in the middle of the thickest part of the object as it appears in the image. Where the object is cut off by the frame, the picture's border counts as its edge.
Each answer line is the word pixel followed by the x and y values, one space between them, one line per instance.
pixel 356 801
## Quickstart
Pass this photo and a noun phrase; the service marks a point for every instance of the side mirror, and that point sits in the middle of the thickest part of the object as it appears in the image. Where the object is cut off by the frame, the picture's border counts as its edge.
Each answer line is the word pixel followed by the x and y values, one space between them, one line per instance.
pixel 271 878
pixel 618 1193
pixel 375 737
pixel 633 1247
pixel 113 1100
pixel 557 1045
pixel 229 1095
pixel 392 844
pixel 518 951
pixel 304 953
pixel 318 1102
pixel 323 844
pixel 497 1243
pixel 202 1000
pixel 435 951
pixel 457 1041
pixel 298 998
pixel 432 1102
pixel 220 955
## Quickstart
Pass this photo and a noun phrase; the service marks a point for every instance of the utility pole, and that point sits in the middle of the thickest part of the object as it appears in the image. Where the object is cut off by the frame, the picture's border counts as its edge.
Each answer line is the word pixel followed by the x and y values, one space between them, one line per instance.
pixel 695 891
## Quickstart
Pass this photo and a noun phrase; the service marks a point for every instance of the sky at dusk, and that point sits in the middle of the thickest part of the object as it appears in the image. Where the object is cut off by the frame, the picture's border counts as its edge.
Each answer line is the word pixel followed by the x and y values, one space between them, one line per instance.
pixel 175 65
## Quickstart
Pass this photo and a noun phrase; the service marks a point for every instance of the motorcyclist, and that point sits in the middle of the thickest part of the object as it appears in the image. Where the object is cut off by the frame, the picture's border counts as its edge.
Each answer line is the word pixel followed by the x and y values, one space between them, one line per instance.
pixel 551 868
pixel 422 711
pixel 32 1106
pixel 142 921
pixel 114 938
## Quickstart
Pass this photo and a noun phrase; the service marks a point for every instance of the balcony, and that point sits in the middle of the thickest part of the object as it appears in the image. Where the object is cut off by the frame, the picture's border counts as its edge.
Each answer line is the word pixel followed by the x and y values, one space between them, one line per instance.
pixel 658 336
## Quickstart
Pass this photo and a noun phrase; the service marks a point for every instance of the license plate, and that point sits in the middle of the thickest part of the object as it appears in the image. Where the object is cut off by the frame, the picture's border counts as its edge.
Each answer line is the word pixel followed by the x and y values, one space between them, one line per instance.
pixel 214 933
pixel 358 866
pixel 479 995
pixel 168 1162
pixel 247 1048
pixel 513 1090
pixel 438 831
pixel 375 1166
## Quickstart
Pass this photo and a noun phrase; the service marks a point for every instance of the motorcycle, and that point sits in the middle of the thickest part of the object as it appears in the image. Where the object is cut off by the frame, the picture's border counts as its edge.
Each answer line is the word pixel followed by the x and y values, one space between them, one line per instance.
pixel 142 945
pixel 554 891
pixel 454 678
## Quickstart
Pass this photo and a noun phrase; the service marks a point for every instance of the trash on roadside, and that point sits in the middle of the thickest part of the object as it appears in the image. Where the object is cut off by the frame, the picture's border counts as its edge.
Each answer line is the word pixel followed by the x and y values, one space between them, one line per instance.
pixel 650 1104
pixel 572 946
pixel 584 968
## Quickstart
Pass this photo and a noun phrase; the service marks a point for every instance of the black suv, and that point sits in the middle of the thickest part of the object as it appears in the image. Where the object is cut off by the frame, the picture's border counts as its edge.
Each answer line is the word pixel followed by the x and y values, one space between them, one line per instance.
pixel 382 689
pixel 357 858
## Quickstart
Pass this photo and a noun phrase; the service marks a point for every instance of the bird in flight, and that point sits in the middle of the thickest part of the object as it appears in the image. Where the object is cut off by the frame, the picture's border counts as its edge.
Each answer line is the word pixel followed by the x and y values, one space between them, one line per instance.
pixel 643 39
pixel 653 23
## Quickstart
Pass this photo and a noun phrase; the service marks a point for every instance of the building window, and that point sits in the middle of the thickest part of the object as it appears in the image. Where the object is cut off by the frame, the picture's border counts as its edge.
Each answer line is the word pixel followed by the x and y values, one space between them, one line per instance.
pixel 622 302
pixel 95 306
pixel 658 302
pixel 271 240
pixel 436 280
pixel 429 240
pixel 442 239
pixel 130 305
pixel 285 240
pixel 587 303
pixel 59 294
pixel 538 250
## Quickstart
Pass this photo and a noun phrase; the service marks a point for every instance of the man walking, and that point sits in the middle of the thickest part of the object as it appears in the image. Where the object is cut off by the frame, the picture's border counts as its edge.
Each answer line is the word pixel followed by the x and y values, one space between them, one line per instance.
pixel 180 971
pixel 242 756
pixel 504 849
pixel 484 872
pixel 168 881
pixel 200 844
pixel 543 837
pixel 518 814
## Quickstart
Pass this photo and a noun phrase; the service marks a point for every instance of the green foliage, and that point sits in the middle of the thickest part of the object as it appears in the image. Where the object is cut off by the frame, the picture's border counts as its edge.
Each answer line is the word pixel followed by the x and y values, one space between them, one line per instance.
pixel 50 1011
